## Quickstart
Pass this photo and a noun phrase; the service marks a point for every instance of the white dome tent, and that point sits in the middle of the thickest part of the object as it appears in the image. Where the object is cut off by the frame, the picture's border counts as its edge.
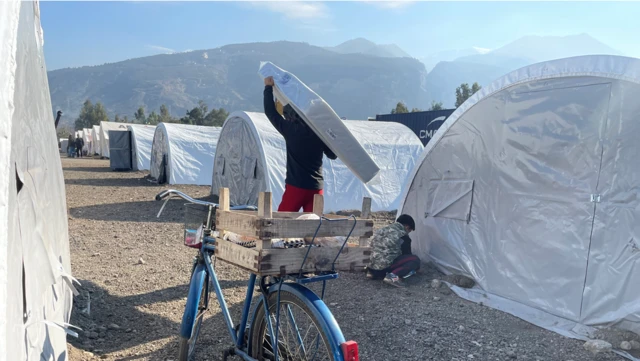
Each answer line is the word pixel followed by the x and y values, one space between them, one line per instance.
pixel 35 293
pixel 141 141
pixel 105 127
pixel 530 188
pixel 95 135
pixel 251 158
pixel 86 136
pixel 183 154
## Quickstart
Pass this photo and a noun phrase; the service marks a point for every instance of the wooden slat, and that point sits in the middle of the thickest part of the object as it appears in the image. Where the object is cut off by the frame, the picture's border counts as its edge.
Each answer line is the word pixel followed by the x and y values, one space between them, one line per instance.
pixel 290 215
pixel 318 204
pixel 277 261
pixel 237 222
pixel 366 208
pixel 264 205
pixel 223 199
pixel 246 258
pixel 366 212
pixel 300 228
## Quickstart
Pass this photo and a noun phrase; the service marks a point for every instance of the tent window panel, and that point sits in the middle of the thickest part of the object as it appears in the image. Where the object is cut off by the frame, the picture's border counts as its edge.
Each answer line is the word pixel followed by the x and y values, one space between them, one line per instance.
pixel 248 167
pixel 450 199
pixel 220 166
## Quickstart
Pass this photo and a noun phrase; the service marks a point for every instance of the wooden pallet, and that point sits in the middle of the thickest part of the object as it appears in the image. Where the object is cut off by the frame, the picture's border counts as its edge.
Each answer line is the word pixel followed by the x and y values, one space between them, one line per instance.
pixel 264 225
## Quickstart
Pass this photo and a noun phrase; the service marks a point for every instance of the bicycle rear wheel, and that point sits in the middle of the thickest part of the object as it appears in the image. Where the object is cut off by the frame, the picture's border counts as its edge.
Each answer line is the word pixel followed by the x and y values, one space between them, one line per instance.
pixel 302 333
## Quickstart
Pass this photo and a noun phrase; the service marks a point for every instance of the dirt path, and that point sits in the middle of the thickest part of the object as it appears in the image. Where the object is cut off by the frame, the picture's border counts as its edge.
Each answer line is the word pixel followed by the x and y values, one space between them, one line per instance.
pixel 134 271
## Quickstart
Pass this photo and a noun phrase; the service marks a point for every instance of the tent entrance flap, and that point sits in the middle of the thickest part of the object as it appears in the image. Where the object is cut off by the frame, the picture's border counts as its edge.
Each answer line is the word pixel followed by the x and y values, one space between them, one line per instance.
pixel 450 199
pixel 120 150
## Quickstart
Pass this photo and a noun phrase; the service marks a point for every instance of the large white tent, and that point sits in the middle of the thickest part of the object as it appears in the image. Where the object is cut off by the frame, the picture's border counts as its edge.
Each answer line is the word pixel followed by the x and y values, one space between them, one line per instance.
pixel 105 127
pixel 141 141
pixel 251 158
pixel 95 136
pixel 183 153
pixel 35 296
pixel 531 188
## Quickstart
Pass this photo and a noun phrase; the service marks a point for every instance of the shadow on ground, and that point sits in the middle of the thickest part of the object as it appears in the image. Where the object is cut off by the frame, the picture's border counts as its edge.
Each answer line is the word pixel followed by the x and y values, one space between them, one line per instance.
pixel 111 182
pixel 143 211
pixel 88 169
pixel 112 324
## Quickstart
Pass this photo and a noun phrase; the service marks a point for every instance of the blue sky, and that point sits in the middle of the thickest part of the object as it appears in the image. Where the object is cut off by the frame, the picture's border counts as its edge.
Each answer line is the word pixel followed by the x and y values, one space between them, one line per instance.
pixel 90 33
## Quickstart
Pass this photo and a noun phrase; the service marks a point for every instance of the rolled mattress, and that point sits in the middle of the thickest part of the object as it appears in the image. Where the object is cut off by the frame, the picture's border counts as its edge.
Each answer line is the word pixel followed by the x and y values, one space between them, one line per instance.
pixel 322 119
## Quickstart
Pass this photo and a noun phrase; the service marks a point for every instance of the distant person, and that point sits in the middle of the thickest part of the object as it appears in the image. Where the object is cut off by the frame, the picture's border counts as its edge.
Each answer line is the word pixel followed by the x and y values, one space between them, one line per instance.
pixel 304 155
pixel 391 257
pixel 79 145
pixel 71 146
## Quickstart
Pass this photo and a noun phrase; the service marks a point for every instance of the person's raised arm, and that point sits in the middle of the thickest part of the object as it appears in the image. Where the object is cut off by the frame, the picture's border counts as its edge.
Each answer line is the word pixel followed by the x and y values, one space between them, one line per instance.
pixel 270 106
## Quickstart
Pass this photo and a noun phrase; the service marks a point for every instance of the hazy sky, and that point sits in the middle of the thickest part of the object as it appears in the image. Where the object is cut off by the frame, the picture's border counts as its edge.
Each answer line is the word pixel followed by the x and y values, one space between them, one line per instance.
pixel 90 33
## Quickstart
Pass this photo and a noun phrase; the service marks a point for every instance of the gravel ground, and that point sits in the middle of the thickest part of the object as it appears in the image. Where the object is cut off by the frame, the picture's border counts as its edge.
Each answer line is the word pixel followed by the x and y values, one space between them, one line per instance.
pixel 134 272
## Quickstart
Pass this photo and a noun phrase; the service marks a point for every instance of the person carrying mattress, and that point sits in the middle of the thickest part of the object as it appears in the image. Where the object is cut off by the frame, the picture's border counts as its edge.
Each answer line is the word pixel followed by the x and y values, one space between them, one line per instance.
pixel 304 154
pixel 391 257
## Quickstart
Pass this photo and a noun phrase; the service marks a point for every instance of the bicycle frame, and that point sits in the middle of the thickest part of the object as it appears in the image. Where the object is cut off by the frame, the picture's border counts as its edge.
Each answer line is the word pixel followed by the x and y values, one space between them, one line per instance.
pixel 203 270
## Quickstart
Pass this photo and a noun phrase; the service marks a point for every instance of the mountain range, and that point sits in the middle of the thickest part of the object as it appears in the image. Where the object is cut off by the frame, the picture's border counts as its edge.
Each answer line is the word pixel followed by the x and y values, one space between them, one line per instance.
pixel 357 78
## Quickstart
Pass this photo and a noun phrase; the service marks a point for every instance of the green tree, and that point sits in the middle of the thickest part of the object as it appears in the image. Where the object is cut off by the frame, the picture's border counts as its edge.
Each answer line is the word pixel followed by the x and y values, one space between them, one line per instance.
pixel 165 116
pixel 196 115
pixel 153 118
pixel 99 114
pixel 86 115
pixel 125 119
pixel 436 105
pixel 415 110
pixel 400 108
pixel 216 117
pixel 201 115
pixel 117 119
pixel 464 92
pixel 91 115
pixel 140 116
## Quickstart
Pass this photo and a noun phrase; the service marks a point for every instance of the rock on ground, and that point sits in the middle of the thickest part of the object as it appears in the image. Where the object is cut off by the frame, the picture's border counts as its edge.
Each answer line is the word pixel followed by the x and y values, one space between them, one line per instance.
pixel 597 346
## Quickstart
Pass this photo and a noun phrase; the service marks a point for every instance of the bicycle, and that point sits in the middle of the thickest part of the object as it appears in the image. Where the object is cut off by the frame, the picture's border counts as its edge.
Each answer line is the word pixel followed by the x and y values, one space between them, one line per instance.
pixel 253 338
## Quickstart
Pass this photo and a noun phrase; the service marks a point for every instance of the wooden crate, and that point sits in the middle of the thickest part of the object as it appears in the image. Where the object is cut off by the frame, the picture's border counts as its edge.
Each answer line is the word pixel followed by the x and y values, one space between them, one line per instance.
pixel 264 225
pixel 279 261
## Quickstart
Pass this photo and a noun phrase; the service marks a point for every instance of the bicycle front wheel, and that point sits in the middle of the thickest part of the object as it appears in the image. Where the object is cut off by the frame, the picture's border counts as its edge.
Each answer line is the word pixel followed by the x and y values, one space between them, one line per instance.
pixel 187 350
pixel 302 333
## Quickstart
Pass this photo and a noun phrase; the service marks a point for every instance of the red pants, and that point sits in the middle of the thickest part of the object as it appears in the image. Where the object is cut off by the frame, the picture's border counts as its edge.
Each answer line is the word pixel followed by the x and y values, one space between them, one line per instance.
pixel 295 198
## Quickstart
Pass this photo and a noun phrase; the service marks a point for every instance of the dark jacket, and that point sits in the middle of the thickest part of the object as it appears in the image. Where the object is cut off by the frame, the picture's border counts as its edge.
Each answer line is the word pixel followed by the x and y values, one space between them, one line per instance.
pixel 406 245
pixel 79 143
pixel 304 148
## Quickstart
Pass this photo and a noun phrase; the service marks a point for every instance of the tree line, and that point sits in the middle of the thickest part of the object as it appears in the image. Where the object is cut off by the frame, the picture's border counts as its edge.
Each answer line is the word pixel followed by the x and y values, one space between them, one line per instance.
pixel 463 92
pixel 91 115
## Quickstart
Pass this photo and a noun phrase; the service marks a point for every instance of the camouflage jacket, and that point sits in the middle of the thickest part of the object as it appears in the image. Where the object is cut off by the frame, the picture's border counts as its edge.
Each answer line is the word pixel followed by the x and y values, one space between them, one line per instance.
pixel 386 246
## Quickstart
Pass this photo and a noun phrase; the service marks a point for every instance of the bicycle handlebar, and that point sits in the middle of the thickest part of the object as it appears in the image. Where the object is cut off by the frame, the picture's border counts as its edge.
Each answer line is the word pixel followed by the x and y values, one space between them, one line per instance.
pixel 171 192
